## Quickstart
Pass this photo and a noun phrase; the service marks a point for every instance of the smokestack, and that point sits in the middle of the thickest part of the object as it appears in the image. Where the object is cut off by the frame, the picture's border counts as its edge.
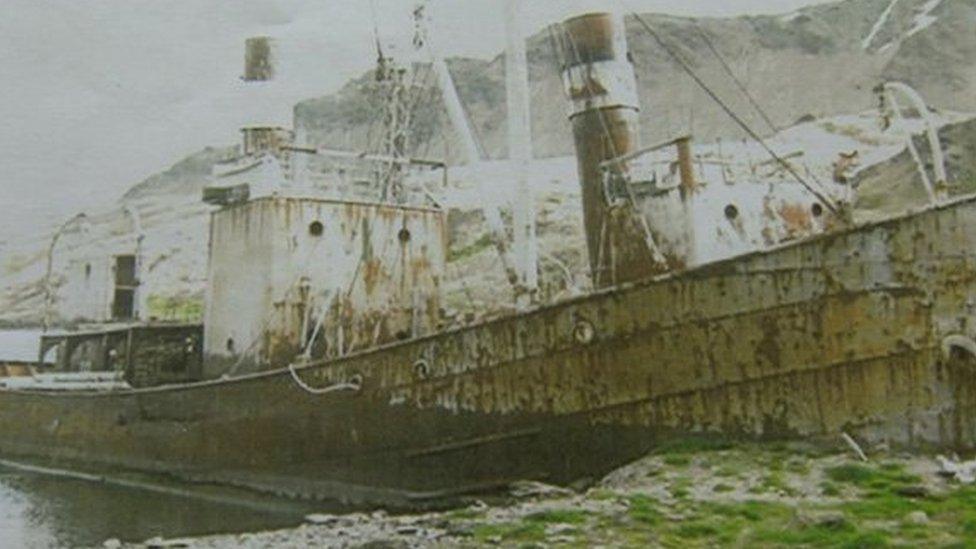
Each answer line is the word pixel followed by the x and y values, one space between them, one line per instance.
pixel 601 84
pixel 260 57
pixel 266 134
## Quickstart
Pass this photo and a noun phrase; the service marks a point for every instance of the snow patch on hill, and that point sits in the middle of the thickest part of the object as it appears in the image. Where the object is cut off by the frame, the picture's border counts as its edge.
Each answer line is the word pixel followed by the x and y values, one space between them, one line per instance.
pixel 878 25
pixel 924 19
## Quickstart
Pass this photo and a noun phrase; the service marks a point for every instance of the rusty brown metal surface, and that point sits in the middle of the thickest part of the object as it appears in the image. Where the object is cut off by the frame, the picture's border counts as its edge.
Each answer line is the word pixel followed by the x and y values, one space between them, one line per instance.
pixel 268 139
pixel 259 59
pixel 148 354
pixel 615 239
pixel 12 368
pixel 686 167
pixel 600 82
pixel 593 37
pixel 367 274
pixel 867 331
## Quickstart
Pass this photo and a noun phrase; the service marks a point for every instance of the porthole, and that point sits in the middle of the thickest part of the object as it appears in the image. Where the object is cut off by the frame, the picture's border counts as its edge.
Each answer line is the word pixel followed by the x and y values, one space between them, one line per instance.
pixel 731 212
pixel 421 369
pixel 316 228
pixel 583 332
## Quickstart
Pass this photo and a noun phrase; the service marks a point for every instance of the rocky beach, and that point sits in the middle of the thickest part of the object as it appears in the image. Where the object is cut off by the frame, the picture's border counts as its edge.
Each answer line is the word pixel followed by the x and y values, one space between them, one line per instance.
pixel 697 493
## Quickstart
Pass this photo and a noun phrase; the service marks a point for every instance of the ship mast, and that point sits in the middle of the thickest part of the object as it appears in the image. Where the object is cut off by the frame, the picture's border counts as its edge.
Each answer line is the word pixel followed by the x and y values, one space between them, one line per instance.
pixel 937 192
pixel 518 260
pixel 455 110
pixel 520 156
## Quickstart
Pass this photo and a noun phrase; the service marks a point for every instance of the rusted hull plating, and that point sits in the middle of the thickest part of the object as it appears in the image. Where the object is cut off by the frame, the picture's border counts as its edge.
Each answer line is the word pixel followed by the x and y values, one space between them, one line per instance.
pixel 867 332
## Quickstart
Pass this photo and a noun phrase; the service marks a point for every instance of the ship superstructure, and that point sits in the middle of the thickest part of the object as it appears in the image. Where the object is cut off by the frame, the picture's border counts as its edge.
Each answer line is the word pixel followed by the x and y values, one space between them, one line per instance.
pixel 722 308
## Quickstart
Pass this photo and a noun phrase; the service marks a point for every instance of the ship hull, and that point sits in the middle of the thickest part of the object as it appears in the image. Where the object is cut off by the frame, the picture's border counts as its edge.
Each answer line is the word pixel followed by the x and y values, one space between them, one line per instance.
pixel 868 332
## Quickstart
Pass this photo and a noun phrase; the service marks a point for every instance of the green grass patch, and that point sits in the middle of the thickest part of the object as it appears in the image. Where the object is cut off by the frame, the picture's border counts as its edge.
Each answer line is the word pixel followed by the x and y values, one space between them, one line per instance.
pixel 677 460
pixel 696 530
pixel 798 467
pixel 750 511
pixel 601 494
pixel 821 535
pixel 774 482
pixel 172 308
pixel 693 445
pixel 557 516
pixel 879 519
pixel 829 489
pixel 888 476
pixel 853 474
pixel 728 471
pixel 879 486
pixel 466 514
pixel 517 532
pixel 680 488
pixel 643 510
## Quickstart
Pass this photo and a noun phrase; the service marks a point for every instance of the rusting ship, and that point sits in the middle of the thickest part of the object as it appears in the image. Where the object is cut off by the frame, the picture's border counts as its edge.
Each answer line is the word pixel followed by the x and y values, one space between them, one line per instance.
pixel 320 371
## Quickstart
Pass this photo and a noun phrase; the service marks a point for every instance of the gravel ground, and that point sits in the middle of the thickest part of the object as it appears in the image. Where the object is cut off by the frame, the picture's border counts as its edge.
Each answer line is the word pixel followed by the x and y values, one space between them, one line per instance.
pixel 694 494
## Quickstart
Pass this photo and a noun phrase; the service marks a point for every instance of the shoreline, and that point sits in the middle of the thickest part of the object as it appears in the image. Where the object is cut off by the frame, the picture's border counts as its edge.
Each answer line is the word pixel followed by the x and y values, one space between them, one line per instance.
pixel 744 495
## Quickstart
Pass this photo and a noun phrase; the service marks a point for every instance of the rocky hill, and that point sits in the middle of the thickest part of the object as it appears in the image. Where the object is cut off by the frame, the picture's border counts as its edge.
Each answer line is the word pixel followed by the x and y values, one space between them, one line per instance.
pixel 812 72
pixel 885 187
pixel 819 61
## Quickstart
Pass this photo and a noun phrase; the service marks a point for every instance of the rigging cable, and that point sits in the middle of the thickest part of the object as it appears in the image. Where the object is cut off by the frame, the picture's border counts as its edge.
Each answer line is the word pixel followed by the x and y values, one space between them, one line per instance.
pixel 656 256
pixel 376 29
pixel 380 60
pixel 478 138
pixel 745 91
pixel 827 201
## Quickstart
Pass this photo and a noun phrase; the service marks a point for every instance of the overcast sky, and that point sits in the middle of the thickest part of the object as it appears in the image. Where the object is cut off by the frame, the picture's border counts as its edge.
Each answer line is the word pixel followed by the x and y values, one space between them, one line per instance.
pixel 99 94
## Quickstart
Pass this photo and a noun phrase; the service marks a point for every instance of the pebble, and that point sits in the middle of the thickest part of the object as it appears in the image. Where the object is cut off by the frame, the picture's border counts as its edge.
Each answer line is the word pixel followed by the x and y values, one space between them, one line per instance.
pixel 559 529
pixel 460 531
pixel 915 491
pixel 918 518
pixel 113 543
pixel 321 519
pixel 825 519
pixel 407 530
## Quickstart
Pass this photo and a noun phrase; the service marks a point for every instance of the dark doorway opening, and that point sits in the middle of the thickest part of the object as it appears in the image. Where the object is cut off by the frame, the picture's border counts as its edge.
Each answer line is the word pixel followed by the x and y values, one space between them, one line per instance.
pixel 126 282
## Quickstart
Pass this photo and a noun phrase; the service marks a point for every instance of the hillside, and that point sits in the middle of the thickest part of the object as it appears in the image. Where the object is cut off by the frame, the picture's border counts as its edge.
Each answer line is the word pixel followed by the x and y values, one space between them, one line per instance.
pixel 819 61
pixel 886 186
pixel 812 71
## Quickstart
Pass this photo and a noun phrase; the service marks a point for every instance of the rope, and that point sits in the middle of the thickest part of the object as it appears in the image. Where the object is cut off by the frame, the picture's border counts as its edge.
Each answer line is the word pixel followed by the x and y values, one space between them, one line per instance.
pixel 827 201
pixel 355 385
pixel 376 29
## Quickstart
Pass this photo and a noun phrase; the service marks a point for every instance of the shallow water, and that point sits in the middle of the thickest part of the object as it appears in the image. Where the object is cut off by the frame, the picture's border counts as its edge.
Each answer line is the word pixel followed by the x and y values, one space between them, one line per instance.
pixel 38 510
pixel 46 511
